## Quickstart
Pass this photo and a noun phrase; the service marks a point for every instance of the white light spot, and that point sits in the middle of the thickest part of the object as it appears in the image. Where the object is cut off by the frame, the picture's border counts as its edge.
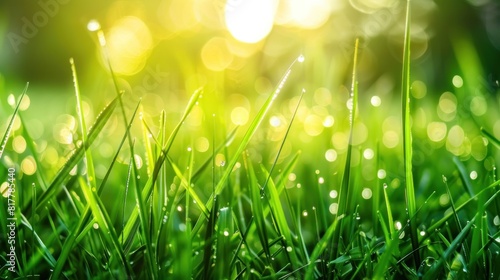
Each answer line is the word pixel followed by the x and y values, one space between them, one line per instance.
pixel 331 155
pixel 376 101
pixel 301 58
pixel 333 194
pixel 250 21
pixel 368 154
pixel 473 175
pixel 93 25
pixel 381 174
pixel 366 193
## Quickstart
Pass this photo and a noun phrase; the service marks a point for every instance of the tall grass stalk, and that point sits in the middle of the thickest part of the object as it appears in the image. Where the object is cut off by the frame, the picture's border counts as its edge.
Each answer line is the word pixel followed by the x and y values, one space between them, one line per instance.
pixel 411 203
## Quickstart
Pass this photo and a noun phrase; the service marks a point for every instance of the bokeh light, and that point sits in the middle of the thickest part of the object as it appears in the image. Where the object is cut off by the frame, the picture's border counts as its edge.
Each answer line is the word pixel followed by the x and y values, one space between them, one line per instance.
pixel 132 32
pixel 250 21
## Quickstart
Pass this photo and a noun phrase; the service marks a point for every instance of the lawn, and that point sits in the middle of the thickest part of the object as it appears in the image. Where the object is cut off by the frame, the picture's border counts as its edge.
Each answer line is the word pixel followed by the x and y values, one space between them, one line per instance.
pixel 250 140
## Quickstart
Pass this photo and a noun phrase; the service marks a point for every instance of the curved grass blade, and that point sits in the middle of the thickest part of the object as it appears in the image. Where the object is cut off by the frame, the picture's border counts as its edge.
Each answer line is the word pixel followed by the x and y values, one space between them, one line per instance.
pixel 130 227
pixel 6 135
pixel 411 204
pixel 104 222
pixel 435 269
pixel 79 232
pixel 77 155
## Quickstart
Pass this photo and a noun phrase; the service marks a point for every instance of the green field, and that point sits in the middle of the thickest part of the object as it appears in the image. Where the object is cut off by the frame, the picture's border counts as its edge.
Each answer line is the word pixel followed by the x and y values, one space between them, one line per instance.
pixel 250 140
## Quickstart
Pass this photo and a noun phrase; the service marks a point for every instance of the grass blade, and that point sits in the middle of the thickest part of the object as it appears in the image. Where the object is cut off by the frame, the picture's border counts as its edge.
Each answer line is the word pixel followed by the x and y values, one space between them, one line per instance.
pixel 64 173
pixel 6 135
pixel 411 203
pixel 343 207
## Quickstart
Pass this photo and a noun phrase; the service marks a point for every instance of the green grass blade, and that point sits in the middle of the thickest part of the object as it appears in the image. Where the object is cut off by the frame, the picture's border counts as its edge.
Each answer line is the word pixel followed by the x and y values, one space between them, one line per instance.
pixel 411 203
pixel 146 192
pixel 440 223
pixel 6 135
pixel 343 195
pixel 490 137
pixel 436 267
pixel 257 206
pixel 144 221
pixel 79 231
pixel 64 173
pixel 225 230
pixel 104 222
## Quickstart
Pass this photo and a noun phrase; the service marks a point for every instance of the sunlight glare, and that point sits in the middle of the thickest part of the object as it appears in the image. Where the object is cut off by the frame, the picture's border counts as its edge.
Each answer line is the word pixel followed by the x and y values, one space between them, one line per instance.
pixel 250 21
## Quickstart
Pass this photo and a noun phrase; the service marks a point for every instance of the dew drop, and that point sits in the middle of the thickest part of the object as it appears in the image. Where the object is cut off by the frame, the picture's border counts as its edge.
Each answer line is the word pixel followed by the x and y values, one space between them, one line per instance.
pixel 301 58
pixel 289 249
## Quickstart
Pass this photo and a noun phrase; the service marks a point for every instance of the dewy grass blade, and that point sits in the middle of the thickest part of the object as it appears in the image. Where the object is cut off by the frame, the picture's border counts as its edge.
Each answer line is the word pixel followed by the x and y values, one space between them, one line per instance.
pixel 104 222
pixel 143 219
pixel 407 139
pixel 146 192
pixel 6 135
pixel 77 155
pixel 79 232
pixel 257 206
pixel 343 207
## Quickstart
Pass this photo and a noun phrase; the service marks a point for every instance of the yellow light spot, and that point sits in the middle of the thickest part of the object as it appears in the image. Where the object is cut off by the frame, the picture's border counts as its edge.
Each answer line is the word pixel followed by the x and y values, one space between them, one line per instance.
pixel 340 140
pixel 390 139
pixel 138 161
pixel 95 226
pixel 11 99
pixel 28 165
pixel 478 106
pixel 292 177
pixel 215 54
pixel 201 144
pixel 305 14
pixel 331 155
pixel 418 89
pixel 19 144
pixel 448 103
pixel 4 189
pixel 132 32
pixel 456 136
pixel 322 96
pixel 239 116
pixel 479 148
pixel 366 193
pixel 444 199
pixel 62 134
pixel 328 121
pixel 220 160
pixel 250 21
pixel 436 131
pixel 360 133
pixel 313 125
pixel 376 101
pixel 457 81
pixel 25 103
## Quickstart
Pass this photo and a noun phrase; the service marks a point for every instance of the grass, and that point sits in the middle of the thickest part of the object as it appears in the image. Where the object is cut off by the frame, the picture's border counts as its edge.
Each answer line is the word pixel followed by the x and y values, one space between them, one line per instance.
pixel 230 214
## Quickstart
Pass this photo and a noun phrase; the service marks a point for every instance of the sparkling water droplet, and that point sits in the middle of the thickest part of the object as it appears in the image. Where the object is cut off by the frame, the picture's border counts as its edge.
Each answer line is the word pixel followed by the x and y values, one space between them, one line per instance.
pixel 301 58
pixel 289 249
pixel 93 25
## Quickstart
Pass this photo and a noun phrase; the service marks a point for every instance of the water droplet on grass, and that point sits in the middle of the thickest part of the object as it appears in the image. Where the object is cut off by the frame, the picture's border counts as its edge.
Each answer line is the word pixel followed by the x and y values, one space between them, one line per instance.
pixel 301 58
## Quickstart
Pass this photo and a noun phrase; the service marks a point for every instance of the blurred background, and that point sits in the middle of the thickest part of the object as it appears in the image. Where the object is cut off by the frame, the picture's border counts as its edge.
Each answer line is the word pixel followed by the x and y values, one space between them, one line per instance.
pixel 161 51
